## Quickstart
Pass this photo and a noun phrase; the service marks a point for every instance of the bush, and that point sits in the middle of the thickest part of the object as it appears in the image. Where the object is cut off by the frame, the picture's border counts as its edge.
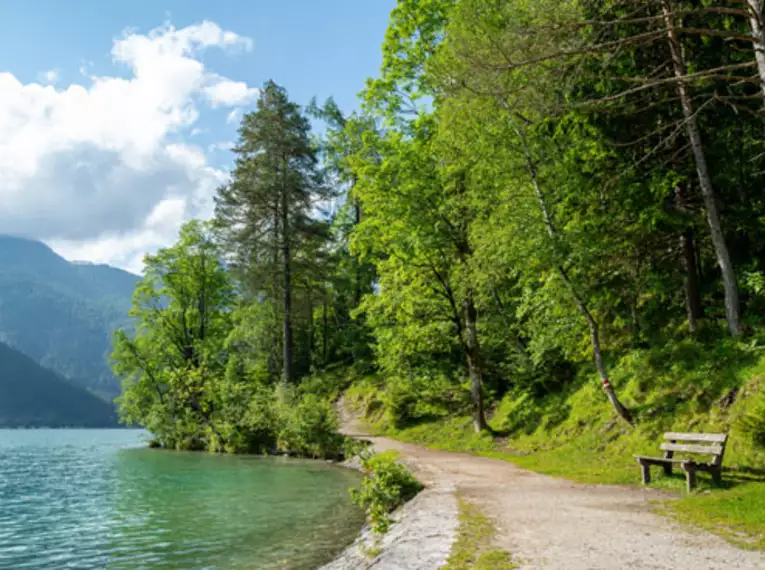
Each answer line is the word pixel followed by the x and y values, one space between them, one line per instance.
pixel 388 486
pixel 424 396
pixel 327 384
pixel 266 420
pixel 309 428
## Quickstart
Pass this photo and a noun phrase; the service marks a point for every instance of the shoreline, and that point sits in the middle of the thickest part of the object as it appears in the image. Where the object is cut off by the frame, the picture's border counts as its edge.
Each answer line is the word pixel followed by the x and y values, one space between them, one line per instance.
pixel 420 538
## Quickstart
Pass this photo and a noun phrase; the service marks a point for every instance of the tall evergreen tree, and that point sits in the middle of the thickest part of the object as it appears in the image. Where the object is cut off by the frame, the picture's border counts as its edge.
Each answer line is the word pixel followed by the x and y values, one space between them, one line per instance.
pixel 263 214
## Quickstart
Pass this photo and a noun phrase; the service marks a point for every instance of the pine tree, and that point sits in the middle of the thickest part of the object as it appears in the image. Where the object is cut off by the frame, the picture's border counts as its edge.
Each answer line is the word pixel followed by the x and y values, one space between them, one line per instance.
pixel 263 214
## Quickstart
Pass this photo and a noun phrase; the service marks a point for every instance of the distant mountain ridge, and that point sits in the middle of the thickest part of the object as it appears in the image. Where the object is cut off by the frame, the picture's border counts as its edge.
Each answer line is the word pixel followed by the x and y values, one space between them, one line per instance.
pixel 31 396
pixel 62 314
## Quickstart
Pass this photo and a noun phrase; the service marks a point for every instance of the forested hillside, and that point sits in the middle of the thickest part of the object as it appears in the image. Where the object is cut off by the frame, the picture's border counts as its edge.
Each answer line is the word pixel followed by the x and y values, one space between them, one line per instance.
pixel 61 314
pixel 31 396
pixel 551 221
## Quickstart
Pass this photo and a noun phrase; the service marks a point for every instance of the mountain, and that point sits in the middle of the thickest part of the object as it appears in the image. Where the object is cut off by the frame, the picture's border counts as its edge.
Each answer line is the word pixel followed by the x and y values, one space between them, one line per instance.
pixel 31 396
pixel 62 314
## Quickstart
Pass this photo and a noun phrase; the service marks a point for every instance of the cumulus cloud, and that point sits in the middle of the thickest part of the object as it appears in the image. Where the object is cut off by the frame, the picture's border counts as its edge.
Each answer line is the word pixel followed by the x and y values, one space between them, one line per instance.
pixel 229 93
pixel 96 170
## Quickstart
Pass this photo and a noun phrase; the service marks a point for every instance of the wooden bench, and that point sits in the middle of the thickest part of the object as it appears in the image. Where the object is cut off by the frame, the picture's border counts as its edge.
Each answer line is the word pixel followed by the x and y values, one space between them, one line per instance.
pixel 711 444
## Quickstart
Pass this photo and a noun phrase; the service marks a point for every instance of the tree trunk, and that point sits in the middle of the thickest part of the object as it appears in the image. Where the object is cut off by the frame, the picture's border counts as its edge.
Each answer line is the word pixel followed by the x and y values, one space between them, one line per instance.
pixel 287 293
pixel 707 191
pixel 273 357
pixel 309 352
pixel 473 354
pixel 356 263
pixel 597 353
pixel 693 303
pixel 758 32
pixel 324 329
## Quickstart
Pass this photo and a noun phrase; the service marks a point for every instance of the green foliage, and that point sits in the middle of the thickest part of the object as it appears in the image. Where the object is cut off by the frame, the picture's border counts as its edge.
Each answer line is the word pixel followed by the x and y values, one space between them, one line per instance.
pixel 172 367
pixel 387 486
pixel 329 383
pixel 752 422
pixel 245 325
pixel 310 428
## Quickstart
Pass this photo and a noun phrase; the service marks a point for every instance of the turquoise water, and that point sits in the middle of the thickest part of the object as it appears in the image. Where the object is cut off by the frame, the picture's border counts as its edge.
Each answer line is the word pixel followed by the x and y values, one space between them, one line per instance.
pixel 95 499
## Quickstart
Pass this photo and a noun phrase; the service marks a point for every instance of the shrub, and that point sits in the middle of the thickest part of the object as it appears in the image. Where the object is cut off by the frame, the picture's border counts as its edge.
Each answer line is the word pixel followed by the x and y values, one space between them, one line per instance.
pixel 388 485
pixel 328 384
pixel 310 428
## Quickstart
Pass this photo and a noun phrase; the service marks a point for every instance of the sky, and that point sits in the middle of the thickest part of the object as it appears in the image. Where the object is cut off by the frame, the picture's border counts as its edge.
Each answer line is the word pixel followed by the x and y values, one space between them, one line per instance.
pixel 117 118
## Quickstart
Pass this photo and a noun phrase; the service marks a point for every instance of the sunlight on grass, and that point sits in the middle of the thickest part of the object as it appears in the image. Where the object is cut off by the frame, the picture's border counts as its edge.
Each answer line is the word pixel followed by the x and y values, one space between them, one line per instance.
pixel 737 513
pixel 473 548
pixel 573 434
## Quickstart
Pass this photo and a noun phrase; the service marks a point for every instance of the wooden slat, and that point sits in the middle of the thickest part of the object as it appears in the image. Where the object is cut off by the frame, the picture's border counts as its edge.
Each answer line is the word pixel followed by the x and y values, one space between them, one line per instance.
pixel 660 460
pixel 707 437
pixel 707 449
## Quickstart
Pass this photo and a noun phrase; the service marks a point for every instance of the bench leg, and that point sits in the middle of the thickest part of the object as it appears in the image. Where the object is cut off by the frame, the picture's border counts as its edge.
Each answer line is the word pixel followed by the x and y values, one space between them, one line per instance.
pixel 690 477
pixel 646 472
pixel 717 475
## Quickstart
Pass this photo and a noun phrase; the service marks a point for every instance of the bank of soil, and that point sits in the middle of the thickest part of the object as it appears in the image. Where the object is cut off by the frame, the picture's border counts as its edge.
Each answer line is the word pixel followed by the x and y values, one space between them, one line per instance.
pixel 553 524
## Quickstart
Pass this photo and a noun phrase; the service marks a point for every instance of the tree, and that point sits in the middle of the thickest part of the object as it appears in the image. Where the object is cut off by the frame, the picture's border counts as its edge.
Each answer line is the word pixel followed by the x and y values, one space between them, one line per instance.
pixel 710 201
pixel 170 368
pixel 417 226
pixel 263 214
pixel 350 278
pixel 547 44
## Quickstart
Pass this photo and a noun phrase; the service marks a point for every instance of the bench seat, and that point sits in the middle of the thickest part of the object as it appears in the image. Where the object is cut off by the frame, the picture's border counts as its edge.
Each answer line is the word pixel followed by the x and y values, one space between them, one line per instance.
pixel 661 460
pixel 715 447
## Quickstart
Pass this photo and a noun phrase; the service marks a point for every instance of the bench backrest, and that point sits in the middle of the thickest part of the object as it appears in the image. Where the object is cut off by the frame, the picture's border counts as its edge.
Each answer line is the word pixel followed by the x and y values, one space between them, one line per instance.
pixel 704 443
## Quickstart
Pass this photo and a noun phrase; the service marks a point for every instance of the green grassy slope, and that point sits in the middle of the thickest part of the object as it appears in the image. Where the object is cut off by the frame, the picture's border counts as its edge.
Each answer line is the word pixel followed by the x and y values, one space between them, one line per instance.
pixel 680 387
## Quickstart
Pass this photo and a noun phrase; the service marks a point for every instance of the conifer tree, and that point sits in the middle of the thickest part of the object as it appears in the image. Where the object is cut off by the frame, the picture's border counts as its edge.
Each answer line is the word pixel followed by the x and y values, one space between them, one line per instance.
pixel 263 214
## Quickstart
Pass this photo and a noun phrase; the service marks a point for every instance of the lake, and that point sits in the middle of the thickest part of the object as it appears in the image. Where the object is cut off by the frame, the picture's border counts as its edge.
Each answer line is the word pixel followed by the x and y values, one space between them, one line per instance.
pixel 98 499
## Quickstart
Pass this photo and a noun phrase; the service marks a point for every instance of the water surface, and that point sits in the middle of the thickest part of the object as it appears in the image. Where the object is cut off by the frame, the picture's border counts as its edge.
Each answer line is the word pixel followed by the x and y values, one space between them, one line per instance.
pixel 93 499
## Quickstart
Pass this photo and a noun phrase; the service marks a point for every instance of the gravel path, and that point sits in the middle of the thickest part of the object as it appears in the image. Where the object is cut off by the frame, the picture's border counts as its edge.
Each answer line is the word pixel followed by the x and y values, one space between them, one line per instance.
pixel 554 524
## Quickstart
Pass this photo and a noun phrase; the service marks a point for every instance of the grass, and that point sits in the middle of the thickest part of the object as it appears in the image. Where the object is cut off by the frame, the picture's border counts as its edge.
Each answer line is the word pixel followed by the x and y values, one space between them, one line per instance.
pixel 735 510
pixel 473 549
pixel 737 514
pixel 680 387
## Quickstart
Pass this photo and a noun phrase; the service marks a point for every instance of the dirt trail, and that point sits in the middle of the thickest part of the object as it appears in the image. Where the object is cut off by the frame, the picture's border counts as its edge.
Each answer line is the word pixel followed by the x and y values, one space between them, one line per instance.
pixel 554 524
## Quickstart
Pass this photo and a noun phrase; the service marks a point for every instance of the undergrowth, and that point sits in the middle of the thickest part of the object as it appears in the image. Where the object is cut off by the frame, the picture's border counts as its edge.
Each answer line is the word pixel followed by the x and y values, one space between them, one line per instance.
pixel 387 486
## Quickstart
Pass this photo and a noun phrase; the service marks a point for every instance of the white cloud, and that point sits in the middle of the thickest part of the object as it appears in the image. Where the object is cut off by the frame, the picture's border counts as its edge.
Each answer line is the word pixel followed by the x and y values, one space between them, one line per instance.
pixel 234 116
pixel 91 168
pixel 230 93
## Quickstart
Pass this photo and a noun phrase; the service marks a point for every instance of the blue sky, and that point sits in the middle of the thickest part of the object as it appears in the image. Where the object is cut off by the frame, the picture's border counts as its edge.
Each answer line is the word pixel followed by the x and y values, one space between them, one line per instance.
pixel 115 116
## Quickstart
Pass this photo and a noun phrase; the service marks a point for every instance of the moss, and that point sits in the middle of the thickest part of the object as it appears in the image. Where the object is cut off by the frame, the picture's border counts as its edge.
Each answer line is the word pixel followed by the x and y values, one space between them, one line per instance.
pixel 473 548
